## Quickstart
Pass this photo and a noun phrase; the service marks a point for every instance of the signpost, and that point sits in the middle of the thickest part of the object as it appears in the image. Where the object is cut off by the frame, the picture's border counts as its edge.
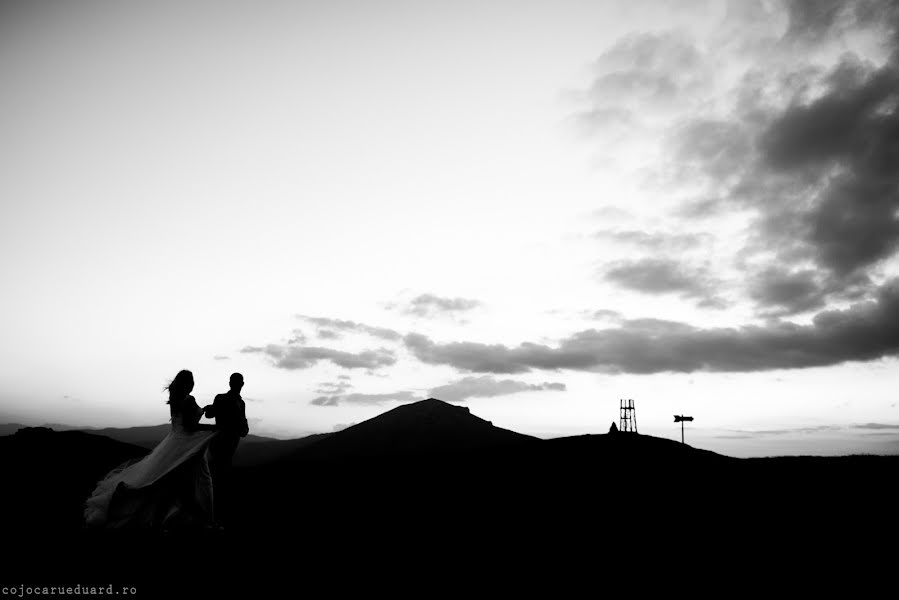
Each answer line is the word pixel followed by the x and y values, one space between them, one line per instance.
pixel 680 419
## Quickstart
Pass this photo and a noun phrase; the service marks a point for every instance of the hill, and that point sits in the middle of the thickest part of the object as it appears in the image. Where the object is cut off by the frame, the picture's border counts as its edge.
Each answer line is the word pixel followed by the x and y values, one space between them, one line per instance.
pixel 10 428
pixel 48 475
pixel 149 436
pixel 413 431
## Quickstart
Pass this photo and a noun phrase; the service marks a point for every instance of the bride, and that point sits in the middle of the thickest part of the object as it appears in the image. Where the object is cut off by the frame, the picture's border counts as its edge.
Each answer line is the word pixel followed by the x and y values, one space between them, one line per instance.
pixel 169 488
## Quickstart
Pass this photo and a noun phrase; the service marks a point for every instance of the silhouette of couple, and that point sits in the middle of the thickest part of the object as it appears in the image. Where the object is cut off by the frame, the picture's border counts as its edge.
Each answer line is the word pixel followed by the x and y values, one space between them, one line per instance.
pixel 173 486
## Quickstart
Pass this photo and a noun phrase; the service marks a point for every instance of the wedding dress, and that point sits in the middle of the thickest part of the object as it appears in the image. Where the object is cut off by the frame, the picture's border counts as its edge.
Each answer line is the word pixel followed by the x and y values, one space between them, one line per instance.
pixel 169 488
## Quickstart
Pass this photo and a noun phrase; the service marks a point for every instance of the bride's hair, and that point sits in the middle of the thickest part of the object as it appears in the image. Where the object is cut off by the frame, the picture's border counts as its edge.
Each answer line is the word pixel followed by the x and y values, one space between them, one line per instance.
pixel 180 386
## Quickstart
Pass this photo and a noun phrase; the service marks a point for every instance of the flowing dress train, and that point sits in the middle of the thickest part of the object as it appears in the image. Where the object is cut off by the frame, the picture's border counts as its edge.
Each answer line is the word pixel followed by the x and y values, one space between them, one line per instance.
pixel 169 488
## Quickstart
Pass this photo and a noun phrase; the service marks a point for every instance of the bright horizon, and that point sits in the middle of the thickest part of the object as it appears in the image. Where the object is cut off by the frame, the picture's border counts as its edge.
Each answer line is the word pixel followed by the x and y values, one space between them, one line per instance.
pixel 534 209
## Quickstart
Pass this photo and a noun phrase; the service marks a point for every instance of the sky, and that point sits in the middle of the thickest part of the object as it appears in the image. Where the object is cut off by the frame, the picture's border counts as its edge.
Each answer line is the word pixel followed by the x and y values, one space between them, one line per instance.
pixel 532 209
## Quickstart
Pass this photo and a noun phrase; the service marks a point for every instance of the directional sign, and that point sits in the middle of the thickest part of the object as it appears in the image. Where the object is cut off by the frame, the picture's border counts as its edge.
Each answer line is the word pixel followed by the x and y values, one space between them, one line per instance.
pixel 680 419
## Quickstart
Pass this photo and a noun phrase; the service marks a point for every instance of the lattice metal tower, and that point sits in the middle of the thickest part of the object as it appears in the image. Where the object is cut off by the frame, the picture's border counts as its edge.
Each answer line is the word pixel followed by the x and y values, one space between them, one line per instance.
pixel 628 417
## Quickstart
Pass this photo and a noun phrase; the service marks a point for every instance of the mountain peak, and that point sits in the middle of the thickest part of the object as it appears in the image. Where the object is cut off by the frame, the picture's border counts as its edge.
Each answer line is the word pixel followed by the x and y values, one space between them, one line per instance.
pixel 426 426
pixel 432 407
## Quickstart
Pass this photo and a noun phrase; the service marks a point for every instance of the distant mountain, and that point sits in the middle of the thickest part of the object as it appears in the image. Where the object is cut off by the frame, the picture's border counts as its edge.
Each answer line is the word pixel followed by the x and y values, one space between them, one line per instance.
pixel 10 428
pixel 149 436
pixel 427 427
pixel 65 427
pixel 253 450
pixel 145 436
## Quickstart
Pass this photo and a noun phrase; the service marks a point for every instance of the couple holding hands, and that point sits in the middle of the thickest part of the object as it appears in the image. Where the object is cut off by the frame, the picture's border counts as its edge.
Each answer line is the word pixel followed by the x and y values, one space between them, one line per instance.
pixel 173 486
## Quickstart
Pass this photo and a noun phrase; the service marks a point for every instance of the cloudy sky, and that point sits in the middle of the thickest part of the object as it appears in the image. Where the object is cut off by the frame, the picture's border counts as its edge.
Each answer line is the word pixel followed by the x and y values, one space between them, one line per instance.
pixel 535 209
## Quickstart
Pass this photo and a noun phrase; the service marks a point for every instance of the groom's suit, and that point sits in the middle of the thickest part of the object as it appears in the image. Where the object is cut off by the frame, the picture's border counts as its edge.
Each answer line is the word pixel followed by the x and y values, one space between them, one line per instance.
pixel 229 411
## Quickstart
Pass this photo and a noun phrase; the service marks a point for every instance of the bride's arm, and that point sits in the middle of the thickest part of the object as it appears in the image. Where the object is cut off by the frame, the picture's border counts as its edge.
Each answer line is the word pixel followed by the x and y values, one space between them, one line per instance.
pixel 191 414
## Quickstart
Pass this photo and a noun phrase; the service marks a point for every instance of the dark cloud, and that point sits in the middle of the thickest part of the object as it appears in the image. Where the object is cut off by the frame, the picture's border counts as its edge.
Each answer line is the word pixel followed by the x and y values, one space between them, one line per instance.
pixel 816 21
pixel 841 124
pixel 711 147
pixel 785 292
pixel 810 153
pixel 221 357
pixel 304 357
pixel 331 328
pixel 863 332
pixel 856 224
pixel 655 241
pixel 828 168
pixel 428 305
pixel 364 399
pixel 488 387
pixel 664 276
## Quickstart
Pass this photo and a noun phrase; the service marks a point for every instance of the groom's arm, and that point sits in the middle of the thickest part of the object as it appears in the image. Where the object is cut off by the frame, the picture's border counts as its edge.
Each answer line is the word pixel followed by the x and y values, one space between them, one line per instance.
pixel 211 411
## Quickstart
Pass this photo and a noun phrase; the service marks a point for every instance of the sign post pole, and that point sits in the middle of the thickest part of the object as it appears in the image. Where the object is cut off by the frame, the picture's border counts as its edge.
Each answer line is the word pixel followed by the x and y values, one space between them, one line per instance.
pixel 681 419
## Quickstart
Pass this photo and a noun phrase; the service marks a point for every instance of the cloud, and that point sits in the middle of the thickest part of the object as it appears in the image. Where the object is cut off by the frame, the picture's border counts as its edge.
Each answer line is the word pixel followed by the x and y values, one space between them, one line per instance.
pixel 488 387
pixel 810 150
pixel 740 433
pixel 331 328
pixel 429 305
pixel 795 130
pixel 877 426
pixel 785 292
pixel 664 276
pixel 816 21
pixel 297 337
pixel 337 400
pixel 656 69
pixel 656 241
pixel 865 331
pixel 604 314
pixel 711 147
pixel 334 388
pixel 611 213
pixel 221 357
pixel 304 357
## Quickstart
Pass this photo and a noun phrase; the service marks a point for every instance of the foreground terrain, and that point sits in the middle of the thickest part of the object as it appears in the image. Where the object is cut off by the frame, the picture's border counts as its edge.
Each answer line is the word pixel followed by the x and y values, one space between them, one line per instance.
pixel 429 490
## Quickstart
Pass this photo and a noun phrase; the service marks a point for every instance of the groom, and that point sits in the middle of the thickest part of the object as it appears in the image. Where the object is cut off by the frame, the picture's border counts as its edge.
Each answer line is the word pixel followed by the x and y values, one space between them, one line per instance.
pixel 229 412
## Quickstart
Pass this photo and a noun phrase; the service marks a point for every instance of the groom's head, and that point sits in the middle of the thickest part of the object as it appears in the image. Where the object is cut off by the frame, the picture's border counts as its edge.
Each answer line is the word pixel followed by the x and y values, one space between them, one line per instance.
pixel 236 382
